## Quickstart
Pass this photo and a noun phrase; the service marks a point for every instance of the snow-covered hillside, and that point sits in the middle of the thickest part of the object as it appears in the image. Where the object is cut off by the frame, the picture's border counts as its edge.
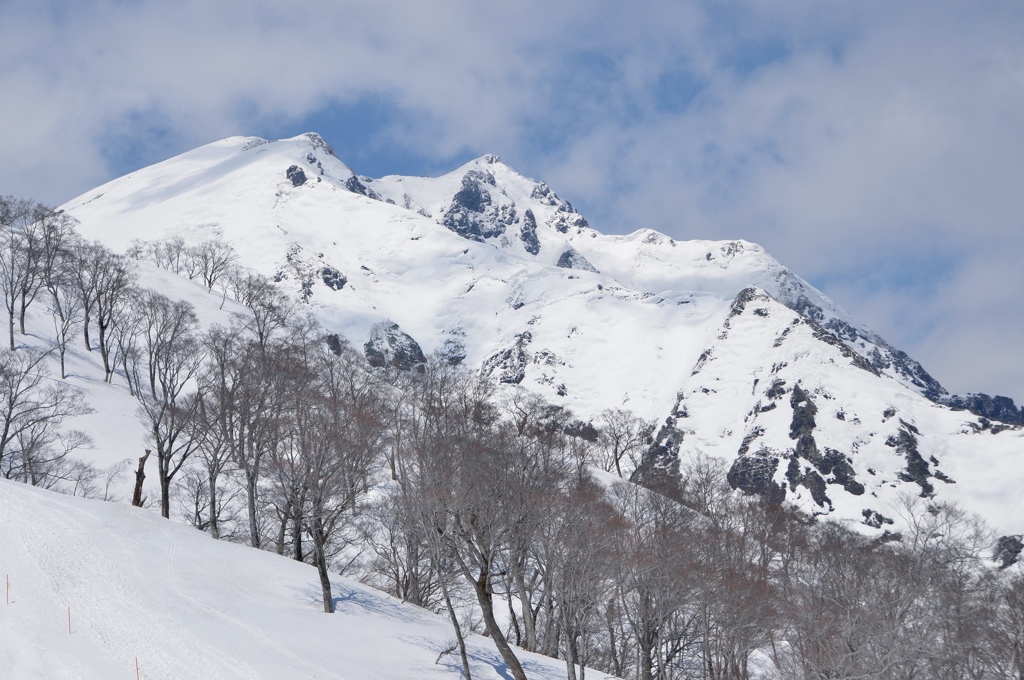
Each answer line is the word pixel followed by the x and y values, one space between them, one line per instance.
pixel 184 606
pixel 738 356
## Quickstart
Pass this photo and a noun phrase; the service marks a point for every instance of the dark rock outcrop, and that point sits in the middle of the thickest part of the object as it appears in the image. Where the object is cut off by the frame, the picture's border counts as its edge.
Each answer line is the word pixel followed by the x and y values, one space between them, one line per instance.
pixel 390 346
pixel 356 186
pixel 753 474
pixel 917 471
pixel 295 175
pixel 473 214
pixel 332 278
pixel 994 408
pixel 528 234
pixel 1008 549
pixel 659 466
pixel 571 259
pixel 882 356
pixel 510 363
pixel 566 218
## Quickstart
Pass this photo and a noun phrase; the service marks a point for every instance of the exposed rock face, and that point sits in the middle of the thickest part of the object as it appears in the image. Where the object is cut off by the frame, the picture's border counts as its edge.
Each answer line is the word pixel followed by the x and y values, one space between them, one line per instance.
pixel 332 278
pixel 802 430
pixel 296 176
pixel 571 259
pixel 319 144
pixel 882 355
pixel 336 343
pixel 453 351
pixel 529 233
pixel 994 408
pixel 875 519
pixel 473 213
pixel 390 346
pixel 356 186
pixel 659 467
pixel 566 219
pixel 905 443
pixel 510 363
pixel 1008 549
pixel 753 474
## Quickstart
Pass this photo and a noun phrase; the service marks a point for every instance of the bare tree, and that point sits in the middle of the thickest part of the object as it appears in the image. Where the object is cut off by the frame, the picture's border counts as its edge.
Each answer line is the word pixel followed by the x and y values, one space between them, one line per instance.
pixel 269 309
pixel 622 436
pixel 67 316
pixel 338 429
pixel 167 365
pixel 48 240
pixel 16 264
pixel 213 259
pixel 246 386
pixel 104 281
pixel 33 445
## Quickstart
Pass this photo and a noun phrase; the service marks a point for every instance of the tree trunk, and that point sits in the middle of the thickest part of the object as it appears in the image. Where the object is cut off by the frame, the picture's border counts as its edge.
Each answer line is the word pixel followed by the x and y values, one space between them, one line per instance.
pixel 647 638
pixel 455 624
pixel 570 646
pixel 481 586
pixel 250 493
pixel 10 327
pixel 104 350
pixel 321 565
pixel 85 331
pixel 214 524
pixel 165 492
pixel 297 554
pixel 529 625
pixel 140 477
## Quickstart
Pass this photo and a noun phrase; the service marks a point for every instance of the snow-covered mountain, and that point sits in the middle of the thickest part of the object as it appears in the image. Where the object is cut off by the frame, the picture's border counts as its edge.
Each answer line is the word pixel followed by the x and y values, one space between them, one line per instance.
pixel 735 355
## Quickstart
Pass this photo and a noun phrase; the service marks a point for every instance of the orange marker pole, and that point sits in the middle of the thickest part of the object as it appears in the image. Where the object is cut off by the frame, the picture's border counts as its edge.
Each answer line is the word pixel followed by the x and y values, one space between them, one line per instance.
pixel 136 668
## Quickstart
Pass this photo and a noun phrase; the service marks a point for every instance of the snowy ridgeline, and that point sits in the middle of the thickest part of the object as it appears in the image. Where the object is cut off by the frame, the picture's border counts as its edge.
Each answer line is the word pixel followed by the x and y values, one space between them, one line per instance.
pixel 496 270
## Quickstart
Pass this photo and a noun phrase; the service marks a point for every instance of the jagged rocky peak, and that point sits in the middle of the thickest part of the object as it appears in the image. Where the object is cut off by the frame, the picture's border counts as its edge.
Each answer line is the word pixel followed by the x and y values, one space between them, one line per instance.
pixel 311 158
pixel 319 144
pixel 478 210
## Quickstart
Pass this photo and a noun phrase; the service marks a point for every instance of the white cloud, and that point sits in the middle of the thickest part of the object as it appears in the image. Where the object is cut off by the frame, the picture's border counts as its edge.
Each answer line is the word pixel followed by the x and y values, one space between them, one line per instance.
pixel 839 135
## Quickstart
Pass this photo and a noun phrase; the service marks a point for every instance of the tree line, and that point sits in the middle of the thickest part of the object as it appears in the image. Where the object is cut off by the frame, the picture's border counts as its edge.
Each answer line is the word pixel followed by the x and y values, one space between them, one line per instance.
pixel 486 506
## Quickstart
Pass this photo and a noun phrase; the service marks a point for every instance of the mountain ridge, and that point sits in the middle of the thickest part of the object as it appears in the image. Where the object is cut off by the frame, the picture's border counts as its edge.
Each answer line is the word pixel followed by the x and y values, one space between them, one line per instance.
pixel 502 272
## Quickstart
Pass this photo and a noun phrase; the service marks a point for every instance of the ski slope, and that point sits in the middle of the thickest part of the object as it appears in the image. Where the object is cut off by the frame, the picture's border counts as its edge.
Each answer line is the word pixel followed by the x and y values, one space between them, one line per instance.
pixel 185 606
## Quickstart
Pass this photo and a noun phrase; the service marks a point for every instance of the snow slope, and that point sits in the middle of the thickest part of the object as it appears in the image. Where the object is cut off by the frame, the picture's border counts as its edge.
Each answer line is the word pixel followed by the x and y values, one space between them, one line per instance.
pixel 187 606
pixel 650 295
pixel 487 264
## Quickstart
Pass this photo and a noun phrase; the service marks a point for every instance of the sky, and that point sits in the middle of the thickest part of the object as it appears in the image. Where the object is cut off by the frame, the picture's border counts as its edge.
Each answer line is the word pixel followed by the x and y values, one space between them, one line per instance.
pixel 875 148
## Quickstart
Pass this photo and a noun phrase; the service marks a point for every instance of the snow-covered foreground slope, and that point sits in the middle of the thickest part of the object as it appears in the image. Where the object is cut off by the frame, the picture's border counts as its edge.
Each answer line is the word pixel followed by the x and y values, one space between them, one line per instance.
pixel 186 606
pixel 485 264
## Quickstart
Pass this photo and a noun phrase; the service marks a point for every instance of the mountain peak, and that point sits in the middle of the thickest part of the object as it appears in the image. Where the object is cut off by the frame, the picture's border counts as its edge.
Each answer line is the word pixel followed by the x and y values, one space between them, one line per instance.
pixel 319 143
pixel 500 266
